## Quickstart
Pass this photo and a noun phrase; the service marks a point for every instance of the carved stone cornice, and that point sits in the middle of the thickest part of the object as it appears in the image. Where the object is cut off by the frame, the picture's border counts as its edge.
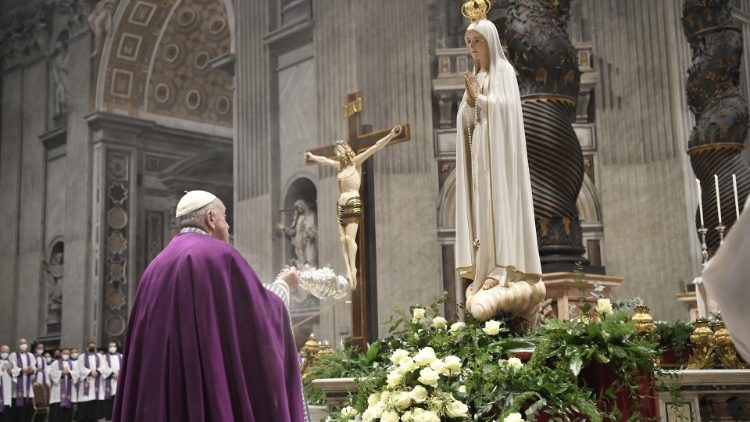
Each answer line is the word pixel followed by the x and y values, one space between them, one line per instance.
pixel 25 38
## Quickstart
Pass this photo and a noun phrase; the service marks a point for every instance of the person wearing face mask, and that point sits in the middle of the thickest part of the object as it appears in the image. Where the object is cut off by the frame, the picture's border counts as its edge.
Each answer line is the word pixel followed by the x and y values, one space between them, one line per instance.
pixel 6 384
pixel 77 383
pixel 41 365
pixel 63 375
pixel 110 374
pixel 91 388
pixel 23 375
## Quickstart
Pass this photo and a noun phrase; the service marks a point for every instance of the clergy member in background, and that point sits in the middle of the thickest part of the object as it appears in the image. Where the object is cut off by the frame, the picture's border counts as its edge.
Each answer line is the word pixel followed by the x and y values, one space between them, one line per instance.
pixel 23 374
pixel 110 375
pixel 6 384
pixel 62 375
pixel 726 280
pixel 41 366
pixel 205 340
pixel 91 388
pixel 77 380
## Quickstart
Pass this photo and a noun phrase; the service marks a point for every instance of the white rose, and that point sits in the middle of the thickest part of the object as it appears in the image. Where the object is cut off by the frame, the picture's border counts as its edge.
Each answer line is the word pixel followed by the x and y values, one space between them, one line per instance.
pixel 439 366
pixel 514 417
pixel 491 327
pixel 401 400
pixel 428 376
pixel 418 394
pixel 395 378
pixel 349 412
pixel 427 416
pixel 439 323
pixel 389 416
pixel 417 315
pixel 373 399
pixel 425 356
pixel 373 412
pixel 407 365
pixel 462 389
pixel 407 416
pixel 453 364
pixel 514 363
pixel 456 409
pixel 457 326
pixel 399 354
pixel 604 307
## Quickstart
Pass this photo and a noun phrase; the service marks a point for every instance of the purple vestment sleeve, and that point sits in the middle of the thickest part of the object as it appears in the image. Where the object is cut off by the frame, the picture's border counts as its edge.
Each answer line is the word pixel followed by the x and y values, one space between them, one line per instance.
pixel 206 342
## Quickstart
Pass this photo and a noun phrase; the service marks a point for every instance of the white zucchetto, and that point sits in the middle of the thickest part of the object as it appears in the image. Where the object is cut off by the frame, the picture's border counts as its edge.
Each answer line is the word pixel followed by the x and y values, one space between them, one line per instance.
pixel 192 201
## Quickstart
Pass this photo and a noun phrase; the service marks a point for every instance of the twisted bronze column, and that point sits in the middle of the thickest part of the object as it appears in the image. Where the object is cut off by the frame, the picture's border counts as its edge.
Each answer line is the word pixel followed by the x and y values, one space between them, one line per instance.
pixel 721 115
pixel 548 77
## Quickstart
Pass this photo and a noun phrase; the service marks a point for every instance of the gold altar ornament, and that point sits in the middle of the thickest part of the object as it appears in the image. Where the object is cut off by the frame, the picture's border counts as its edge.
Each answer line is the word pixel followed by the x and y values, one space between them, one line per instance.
pixel 476 10
pixel 703 345
pixel 644 323
pixel 725 350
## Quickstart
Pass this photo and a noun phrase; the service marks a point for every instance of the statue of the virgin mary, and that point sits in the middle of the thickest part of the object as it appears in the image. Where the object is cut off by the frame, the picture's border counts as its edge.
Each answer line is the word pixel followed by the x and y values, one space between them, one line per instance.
pixel 496 244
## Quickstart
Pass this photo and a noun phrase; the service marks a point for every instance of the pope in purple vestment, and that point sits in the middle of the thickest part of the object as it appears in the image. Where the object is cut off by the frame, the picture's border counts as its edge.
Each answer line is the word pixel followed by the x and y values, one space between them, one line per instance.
pixel 206 341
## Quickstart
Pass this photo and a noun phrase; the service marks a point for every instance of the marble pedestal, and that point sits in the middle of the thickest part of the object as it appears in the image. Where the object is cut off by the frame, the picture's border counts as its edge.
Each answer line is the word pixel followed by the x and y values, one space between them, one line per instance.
pixel 564 290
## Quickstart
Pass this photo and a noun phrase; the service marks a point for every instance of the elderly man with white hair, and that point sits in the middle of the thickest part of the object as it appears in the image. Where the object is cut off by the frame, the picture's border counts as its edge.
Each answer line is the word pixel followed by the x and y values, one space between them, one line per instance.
pixel 206 340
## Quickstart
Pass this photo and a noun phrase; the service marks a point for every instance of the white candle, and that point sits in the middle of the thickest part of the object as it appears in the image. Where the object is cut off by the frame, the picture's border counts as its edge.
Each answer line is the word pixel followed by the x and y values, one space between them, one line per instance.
pixel 718 201
pixel 736 199
pixel 700 201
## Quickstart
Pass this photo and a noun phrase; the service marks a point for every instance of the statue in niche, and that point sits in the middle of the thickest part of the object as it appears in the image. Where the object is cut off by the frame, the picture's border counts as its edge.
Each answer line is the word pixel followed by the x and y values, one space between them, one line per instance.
pixel 100 21
pixel 54 284
pixel 303 234
pixel 60 74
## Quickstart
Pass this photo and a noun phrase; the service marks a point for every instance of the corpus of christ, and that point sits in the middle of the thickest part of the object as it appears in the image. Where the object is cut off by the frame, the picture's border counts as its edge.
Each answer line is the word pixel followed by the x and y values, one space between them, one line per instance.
pixel 361 210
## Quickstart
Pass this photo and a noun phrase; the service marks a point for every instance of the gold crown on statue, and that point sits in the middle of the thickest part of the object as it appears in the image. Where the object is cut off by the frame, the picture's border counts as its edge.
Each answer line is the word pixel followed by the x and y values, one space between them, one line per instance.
pixel 476 10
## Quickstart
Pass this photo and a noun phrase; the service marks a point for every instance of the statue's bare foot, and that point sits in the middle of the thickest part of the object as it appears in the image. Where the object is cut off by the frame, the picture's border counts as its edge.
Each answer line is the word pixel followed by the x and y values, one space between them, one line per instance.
pixel 353 279
pixel 489 283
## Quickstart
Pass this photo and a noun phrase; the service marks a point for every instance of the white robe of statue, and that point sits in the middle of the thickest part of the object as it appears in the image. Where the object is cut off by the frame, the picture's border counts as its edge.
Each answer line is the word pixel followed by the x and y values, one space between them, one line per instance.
pixel 726 280
pixel 495 231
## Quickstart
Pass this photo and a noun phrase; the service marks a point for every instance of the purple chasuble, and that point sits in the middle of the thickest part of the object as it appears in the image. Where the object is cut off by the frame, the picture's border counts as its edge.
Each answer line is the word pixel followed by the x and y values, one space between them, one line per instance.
pixel 66 385
pixel 206 342
pixel 98 378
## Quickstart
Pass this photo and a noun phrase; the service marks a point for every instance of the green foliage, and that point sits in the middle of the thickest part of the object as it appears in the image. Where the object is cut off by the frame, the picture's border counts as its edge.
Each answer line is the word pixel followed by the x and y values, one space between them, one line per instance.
pixel 493 382
pixel 675 336
pixel 346 362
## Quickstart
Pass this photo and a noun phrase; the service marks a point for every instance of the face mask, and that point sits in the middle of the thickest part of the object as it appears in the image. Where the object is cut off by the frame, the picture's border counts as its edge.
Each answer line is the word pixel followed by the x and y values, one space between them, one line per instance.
pixel 74 355
pixel 49 360
pixel 113 350
pixel 3 356
pixel 65 357
pixel 39 352
pixel 23 347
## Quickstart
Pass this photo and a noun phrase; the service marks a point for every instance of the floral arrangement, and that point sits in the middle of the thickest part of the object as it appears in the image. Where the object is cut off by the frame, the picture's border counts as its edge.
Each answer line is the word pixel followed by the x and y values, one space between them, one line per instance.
pixel 431 370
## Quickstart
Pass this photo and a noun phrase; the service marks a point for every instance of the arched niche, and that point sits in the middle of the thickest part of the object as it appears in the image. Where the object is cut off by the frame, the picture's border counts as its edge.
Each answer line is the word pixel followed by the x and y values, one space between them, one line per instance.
pixel 300 249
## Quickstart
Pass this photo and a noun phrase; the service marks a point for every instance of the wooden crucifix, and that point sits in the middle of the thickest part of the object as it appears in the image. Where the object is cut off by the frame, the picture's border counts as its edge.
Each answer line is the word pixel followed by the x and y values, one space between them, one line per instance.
pixel 355 208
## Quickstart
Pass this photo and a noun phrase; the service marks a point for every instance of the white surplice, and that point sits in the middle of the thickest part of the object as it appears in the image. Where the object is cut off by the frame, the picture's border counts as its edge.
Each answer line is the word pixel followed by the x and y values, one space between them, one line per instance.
pixel 21 380
pixel 55 377
pixel 86 377
pixel 6 381
pixel 111 371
